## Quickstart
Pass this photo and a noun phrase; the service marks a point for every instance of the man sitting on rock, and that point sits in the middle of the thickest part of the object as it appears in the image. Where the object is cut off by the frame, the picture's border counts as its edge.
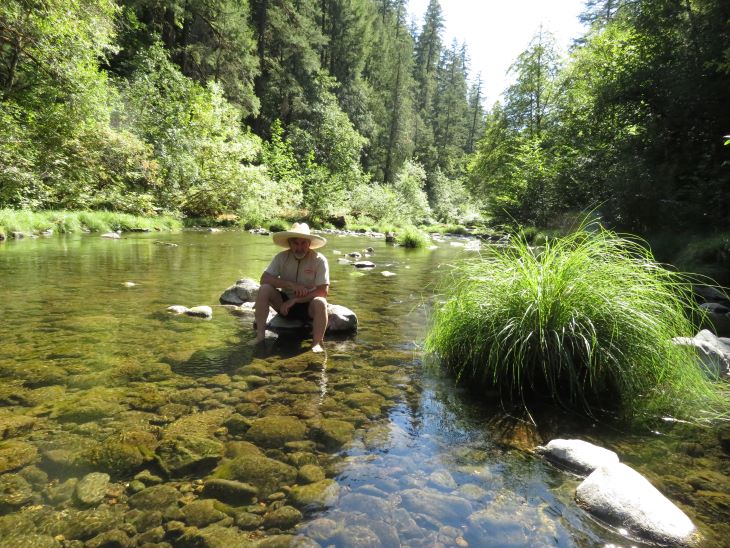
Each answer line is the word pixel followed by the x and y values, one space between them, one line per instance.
pixel 296 283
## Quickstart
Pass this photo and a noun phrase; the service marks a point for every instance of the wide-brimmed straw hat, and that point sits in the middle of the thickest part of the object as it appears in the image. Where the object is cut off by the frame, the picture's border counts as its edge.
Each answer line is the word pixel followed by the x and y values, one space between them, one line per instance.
pixel 299 230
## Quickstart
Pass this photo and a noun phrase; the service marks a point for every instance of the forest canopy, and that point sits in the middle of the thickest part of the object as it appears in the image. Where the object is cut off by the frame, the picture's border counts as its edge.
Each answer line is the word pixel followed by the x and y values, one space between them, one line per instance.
pixel 346 110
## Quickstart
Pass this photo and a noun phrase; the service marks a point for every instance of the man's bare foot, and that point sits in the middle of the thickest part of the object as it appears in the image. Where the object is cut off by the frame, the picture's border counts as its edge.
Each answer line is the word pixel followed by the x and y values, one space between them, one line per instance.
pixel 317 348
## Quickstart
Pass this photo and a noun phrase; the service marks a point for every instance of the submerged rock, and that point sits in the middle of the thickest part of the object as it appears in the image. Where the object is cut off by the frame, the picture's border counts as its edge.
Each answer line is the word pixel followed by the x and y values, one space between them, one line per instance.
pixel 230 491
pixel 713 351
pixel 180 455
pixel 14 454
pixel 315 495
pixel 622 497
pixel 577 455
pixel 274 431
pixel 200 312
pixel 267 475
pixel 90 490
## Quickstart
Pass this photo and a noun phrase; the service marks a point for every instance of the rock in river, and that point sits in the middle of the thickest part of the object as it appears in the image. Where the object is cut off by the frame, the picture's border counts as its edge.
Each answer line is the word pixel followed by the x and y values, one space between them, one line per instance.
pixel 577 455
pixel 90 490
pixel 622 497
pixel 243 291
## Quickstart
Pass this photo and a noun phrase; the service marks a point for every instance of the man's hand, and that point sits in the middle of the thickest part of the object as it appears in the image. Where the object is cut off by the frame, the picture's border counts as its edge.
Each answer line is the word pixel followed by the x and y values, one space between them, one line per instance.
pixel 285 306
pixel 299 290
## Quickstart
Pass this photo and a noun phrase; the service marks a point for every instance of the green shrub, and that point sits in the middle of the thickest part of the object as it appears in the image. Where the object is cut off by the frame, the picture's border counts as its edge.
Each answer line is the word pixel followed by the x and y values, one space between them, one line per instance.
pixel 588 323
pixel 412 237
pixel 278 225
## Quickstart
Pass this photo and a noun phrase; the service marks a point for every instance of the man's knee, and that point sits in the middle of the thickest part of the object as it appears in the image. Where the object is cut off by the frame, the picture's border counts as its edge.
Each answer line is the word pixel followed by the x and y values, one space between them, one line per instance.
pixel 319 305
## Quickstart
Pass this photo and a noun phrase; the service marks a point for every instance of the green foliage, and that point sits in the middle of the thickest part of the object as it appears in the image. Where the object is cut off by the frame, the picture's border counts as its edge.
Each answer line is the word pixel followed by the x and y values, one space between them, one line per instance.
pixel 450 201
pixel 413 238
pixel 375 201
pixel 282 165
pixel 19 220
pixel 588 322
pixel 409 187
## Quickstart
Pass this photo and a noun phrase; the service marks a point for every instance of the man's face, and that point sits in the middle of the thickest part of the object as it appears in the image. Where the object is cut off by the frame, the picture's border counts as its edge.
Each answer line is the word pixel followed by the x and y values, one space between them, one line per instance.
pixel 299 246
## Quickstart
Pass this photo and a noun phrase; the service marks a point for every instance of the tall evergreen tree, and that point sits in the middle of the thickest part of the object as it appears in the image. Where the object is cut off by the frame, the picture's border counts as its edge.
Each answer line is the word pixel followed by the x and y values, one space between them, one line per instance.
pixel 427 55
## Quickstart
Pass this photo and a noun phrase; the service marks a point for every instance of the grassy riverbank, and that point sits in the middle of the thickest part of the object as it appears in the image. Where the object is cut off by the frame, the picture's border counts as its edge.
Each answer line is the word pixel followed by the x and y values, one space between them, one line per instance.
pixel 69 222
pixel 587 322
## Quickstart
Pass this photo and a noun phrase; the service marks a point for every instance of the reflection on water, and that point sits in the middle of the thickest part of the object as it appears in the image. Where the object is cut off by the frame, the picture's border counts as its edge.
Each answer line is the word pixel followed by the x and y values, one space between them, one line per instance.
pixel 364 446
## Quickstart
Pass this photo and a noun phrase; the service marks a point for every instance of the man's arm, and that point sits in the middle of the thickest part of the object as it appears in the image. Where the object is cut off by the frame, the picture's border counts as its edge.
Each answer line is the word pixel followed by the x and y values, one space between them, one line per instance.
pixel 298 289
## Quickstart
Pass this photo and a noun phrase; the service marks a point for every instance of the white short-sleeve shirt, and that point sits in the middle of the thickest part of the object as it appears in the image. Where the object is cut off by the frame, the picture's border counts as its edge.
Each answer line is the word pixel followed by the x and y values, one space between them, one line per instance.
pixel 311 271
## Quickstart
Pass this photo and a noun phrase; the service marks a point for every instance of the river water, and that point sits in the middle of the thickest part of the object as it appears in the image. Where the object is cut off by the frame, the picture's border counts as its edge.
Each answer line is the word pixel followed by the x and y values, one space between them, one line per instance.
pixel 366 445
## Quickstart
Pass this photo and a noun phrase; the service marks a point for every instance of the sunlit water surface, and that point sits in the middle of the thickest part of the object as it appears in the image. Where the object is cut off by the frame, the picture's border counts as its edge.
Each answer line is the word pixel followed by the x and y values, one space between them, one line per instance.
pixel 84 358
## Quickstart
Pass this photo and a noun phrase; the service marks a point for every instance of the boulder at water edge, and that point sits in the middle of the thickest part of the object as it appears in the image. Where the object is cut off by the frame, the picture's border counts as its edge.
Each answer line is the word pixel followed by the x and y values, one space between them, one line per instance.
pixel 713 351
pixel 340 318
pixel 623 498
pixel 577 455
pixel 243 291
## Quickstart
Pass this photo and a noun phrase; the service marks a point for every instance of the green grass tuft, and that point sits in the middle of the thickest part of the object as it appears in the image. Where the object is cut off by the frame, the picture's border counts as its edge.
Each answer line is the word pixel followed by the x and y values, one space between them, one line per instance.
pixel 587 322
pixel 412 237
pixel 69 222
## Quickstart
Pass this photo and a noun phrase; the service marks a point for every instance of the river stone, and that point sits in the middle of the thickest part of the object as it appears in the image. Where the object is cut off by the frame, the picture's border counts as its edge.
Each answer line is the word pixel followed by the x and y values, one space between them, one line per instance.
pixel 444 508
pixel 90 490
pixel 201 513
pixel 239 448
pixel 114 538
pixel 282 518
pixel 244 290
pixel 340 319
pixel 274 431
pixel 180 455
pixel 15 491
pixel 15 425
pixel 577 455
pixel 84 524
pixel 232 492
pixel 622 497
pixel 266 474
pixel 202 424
pixel 316 495
pixel 311 473
pixel 111 235
pixel 214 536
pixel 713 351
pixel 320 530
pixel 366 504
pixel 177 309
pixel 333 433
pixel 122 453
pixel 15 454
pixel 200 312
pixel 156 497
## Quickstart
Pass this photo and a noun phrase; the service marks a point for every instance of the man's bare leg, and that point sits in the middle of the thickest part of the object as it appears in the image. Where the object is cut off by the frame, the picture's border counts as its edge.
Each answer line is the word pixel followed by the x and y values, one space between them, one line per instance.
pixel 268 296
pixel 318 312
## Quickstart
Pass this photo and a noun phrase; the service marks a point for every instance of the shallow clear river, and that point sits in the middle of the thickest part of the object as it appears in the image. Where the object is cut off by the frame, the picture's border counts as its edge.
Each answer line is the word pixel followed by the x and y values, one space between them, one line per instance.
pixel 208 441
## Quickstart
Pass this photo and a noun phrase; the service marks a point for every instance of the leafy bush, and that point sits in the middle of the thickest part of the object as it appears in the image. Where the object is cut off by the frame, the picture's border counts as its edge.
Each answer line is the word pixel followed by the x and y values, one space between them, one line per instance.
pixel 588 323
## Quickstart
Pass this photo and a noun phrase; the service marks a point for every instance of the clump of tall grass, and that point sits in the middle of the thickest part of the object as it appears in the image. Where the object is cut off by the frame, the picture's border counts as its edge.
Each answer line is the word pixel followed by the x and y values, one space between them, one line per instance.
pixel 586 322
pixel 412 237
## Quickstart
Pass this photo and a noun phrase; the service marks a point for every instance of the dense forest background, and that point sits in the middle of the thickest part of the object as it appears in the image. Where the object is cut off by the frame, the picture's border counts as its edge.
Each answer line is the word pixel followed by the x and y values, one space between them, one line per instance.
pixel 343 110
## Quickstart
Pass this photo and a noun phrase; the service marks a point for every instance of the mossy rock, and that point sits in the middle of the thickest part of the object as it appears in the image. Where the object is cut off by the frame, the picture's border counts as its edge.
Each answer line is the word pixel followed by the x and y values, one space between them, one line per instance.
pixel 202 424
pixel 191 396
pixel 332 433
pixel 14 454
pixel 147 398
pixel 282 518
pixel 314 496
pixel 82 524
pixel 240 448
pixel 368 402
pixel 157 497
pixel 276 430
pixel 214 536
pixel 15 492
pixel 267 475
pixel 200 513
pixel 121 454
pixel 14 425
pixel 181 455
pixel 90 406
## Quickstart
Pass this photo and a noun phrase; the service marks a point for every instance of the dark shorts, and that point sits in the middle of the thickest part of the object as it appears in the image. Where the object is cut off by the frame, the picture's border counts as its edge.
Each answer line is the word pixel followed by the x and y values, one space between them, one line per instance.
pixel 299 311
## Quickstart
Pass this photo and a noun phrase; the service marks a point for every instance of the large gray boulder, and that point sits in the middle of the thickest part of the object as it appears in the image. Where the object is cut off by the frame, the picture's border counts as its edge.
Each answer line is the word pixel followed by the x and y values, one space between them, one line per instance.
pixel 243 291
pixel 577 455
pixel 623 498
pixel 713 351
pixel 340 318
